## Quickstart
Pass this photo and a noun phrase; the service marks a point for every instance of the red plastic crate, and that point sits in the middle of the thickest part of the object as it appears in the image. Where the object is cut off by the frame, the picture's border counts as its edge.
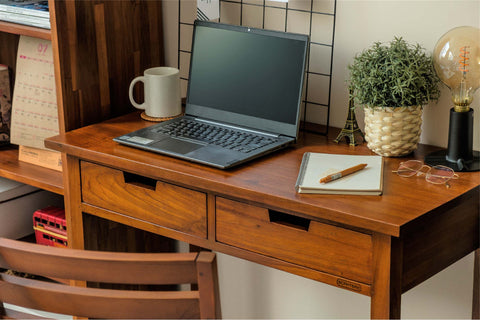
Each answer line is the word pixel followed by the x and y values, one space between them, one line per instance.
pixel 50 226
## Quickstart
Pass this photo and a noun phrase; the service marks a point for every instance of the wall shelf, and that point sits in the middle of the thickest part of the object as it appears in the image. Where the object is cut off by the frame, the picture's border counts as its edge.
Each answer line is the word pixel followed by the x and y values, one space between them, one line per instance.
pixel 24 30
pixel 98 48
pixel 43 178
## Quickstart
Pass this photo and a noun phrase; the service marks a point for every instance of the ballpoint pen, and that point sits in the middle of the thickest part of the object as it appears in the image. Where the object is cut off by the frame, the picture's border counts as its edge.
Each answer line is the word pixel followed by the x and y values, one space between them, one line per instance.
pixel 343 173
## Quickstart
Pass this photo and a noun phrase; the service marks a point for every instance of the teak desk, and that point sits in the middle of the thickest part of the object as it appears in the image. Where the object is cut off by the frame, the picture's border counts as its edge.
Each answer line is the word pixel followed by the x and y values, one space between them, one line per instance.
pixel 379 246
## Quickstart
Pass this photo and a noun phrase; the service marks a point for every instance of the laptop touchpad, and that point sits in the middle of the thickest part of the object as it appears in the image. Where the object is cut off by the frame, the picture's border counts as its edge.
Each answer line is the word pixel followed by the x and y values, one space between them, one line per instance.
pixel 176 146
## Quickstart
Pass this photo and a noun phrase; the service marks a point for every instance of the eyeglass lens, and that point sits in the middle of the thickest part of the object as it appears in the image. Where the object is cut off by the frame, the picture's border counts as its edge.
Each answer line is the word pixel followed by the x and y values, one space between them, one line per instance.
pixel 439 174
pixel 409 168
pixel 435 174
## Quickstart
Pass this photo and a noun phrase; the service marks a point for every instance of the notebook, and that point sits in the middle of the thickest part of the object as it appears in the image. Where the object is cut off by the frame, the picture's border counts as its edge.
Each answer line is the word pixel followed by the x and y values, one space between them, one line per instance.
pixel 243 98
pixel 368 181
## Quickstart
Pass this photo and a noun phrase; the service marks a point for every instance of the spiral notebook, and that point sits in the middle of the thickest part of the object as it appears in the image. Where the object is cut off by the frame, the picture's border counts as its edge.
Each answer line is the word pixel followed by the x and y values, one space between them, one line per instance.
pixel 315 166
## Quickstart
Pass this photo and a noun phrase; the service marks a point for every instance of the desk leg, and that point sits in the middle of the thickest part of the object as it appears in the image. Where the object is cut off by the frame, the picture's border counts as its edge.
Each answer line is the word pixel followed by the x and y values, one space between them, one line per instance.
pixel 72 198
pixel 386 286
pixel 73 212
pixel 476 286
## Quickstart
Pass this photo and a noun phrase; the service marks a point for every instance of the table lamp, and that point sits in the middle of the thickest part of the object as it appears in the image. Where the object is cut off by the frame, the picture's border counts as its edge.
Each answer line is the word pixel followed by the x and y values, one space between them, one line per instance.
pixel 456 59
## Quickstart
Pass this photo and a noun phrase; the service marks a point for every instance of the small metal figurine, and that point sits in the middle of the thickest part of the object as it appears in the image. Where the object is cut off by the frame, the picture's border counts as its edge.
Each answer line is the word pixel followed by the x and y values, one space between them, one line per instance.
pixel 351 126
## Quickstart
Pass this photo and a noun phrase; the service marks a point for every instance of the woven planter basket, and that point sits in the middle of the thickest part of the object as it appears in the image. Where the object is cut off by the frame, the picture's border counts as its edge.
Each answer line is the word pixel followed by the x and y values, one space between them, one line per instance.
pixel 393 132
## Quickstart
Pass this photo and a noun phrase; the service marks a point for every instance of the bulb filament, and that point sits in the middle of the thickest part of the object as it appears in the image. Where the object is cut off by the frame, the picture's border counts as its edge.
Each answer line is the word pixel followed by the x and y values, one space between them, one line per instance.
pixel 464 60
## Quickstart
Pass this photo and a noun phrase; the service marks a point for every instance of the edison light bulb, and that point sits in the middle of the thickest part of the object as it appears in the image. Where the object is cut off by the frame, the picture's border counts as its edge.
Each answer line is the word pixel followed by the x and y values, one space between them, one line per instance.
pixel 456 59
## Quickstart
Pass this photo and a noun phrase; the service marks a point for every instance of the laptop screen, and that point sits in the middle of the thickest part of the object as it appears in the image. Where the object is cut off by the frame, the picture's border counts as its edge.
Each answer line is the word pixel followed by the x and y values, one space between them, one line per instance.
pixel 246 76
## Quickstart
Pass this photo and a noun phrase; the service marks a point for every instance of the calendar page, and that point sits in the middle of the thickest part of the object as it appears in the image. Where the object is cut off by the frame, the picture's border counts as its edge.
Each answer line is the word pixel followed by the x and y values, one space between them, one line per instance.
pixel 34 105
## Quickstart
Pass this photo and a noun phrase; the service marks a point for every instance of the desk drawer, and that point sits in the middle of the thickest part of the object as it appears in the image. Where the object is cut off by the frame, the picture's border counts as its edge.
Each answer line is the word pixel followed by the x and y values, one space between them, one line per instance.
pixel 335 250
pixel 155 201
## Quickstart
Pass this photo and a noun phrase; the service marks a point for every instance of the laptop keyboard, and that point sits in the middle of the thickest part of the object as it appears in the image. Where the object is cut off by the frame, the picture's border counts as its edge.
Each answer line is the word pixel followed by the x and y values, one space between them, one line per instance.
pixel 216 135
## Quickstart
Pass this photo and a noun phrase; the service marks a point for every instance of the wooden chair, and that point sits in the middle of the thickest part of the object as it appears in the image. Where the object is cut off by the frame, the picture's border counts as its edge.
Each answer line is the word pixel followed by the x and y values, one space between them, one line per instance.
pixel 107 267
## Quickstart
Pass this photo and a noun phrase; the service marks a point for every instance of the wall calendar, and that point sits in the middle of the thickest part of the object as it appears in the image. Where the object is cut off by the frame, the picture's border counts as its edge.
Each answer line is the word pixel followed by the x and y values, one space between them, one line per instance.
pixel 34 105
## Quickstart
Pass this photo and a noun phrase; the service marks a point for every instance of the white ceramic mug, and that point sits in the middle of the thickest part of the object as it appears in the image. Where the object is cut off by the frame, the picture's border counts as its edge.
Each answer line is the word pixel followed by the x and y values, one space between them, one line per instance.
pixel 162 92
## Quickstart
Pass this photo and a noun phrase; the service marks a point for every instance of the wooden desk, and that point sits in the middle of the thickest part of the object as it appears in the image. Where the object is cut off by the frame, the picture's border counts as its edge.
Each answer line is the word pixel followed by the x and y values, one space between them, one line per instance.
pixel 380 246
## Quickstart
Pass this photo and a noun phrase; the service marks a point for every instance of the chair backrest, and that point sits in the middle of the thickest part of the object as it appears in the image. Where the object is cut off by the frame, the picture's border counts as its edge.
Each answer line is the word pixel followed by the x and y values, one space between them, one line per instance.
pixel 108 267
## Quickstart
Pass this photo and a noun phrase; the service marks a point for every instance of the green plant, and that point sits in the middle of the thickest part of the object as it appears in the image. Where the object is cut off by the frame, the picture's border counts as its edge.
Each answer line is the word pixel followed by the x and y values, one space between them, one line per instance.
pixel 394 75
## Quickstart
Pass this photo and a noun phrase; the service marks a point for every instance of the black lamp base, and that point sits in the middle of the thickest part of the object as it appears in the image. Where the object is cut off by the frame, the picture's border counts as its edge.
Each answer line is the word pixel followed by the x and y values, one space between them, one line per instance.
pixel 440 158
pixel 459 155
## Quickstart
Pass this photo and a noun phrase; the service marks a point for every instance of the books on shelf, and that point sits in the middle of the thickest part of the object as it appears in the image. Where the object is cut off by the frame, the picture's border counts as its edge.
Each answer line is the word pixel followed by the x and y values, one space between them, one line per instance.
pixel 5 104
pixel 30 7
pixel 28 12
pixel 25 19
pixel 315 166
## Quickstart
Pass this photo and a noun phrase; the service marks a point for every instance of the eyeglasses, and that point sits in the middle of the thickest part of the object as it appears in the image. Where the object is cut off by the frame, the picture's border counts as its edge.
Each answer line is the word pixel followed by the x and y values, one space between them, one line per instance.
pixel 436 174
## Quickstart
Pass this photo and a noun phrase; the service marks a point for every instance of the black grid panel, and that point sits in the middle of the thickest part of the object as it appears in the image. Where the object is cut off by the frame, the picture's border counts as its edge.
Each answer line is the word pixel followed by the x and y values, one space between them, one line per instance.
pixel 313 17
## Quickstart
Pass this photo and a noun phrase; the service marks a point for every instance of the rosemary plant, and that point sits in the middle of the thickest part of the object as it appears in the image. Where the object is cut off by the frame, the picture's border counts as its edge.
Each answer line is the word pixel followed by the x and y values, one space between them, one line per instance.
pixel 394 75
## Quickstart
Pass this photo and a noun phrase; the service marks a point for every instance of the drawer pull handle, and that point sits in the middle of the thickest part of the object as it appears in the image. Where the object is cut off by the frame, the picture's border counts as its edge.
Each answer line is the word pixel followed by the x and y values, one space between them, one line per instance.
pixel 139 181
pixel 289 220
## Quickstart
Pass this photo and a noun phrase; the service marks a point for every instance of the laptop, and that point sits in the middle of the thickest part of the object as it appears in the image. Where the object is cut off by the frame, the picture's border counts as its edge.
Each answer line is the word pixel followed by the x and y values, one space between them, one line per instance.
pixel 243 98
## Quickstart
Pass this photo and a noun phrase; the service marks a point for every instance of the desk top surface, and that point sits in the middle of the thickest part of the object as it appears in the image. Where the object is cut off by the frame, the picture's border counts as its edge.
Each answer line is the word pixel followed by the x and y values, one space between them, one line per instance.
pixel 270 181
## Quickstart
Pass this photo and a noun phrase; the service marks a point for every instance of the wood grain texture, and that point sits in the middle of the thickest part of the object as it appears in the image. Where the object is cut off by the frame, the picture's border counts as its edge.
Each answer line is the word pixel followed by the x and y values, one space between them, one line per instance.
pixel 380 306
pixel 73 213
pixel 56 65
pixel 115 267
pixel 98 48
pixel 396 274
pixel 109 267
pixel 20 29
pixel 102 56
pixel 161 203
pixel 476 286
pixel 108 235
pixel 208 285
pixel 403 200
pixel 436 240
pixel 101 236
pixel 324 247
pixel 101 47
pixel 40 177
pixel 404 236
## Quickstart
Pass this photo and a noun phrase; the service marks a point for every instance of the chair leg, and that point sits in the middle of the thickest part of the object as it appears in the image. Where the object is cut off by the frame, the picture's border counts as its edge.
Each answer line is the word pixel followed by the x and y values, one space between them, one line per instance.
pixel 208 286
pixel 476 286
pixel 2 310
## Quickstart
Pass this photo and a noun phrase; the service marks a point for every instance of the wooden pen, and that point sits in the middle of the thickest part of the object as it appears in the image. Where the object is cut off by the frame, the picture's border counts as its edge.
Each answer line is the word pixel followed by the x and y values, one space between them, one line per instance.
pixel 343 173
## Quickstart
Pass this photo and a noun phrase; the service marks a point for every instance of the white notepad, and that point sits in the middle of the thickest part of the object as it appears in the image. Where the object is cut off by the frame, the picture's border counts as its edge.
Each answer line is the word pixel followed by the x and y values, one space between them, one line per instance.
pixel 368 181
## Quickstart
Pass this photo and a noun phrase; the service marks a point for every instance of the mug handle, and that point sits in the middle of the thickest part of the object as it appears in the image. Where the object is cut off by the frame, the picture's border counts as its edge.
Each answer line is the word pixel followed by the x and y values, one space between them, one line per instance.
pixel 130 92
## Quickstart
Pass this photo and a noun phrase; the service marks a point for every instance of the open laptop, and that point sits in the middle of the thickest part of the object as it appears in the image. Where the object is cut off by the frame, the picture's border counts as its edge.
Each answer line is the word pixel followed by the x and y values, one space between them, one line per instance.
pixel 243 98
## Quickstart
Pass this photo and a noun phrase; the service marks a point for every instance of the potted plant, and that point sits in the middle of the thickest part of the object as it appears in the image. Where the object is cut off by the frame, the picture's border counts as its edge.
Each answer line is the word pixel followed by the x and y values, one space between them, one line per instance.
pixel 393 81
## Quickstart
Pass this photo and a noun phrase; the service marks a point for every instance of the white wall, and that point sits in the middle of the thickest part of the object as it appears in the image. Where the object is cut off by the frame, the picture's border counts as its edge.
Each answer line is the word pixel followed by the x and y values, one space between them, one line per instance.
pixel 249 290
pixel 360 23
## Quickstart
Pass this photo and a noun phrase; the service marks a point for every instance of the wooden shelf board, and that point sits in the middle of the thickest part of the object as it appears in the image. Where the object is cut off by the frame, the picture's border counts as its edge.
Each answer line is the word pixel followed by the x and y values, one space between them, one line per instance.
pixel 24 30
pixel 40 177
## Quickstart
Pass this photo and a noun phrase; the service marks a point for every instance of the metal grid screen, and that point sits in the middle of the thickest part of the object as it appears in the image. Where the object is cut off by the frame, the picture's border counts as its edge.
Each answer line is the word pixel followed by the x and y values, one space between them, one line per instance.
pixel 313 17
